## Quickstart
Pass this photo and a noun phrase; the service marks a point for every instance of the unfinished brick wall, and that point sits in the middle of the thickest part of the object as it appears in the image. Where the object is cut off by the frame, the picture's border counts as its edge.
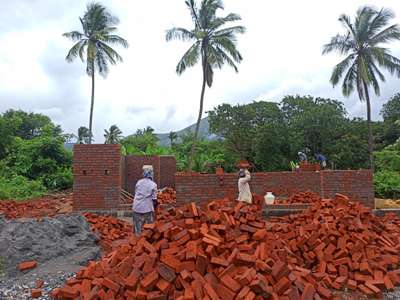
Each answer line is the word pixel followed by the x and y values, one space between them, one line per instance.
pixel 202 187
pixel 164 169
pixel 97 176
pixel 100 171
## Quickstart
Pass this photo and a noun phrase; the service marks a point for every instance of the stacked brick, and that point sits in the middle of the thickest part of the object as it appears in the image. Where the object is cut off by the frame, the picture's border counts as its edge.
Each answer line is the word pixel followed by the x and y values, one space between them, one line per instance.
pixel 228 251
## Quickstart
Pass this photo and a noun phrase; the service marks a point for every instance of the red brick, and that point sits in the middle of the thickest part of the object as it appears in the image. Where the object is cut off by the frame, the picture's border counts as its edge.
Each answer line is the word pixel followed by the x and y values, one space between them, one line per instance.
pixel 149 280
pixel 36 293
pixel 308 293
pixel 27 265
pixel 232 284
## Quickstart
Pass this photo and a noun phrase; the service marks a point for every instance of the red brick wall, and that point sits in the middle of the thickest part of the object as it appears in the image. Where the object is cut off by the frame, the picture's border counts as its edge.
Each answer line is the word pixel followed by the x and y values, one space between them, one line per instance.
pixel 203 187
pixel 167 171
pixel 164 170
pixel 97 176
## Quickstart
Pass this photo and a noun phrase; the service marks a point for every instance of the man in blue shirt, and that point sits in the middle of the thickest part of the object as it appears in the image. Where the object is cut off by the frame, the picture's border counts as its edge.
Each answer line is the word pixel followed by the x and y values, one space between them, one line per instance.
pixel 321 159
pixel 144 202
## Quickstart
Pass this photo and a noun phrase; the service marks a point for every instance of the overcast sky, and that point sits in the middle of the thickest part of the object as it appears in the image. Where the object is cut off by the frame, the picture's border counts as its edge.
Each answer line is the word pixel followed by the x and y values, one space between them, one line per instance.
pixel 281 50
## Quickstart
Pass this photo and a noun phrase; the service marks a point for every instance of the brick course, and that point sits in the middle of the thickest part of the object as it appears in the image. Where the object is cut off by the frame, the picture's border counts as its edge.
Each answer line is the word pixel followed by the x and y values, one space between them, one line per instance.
pixel 201 187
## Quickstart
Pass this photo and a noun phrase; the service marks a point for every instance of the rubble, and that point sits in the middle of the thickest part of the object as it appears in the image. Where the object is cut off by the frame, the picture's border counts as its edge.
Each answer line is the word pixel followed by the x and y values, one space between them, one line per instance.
pixel 227 251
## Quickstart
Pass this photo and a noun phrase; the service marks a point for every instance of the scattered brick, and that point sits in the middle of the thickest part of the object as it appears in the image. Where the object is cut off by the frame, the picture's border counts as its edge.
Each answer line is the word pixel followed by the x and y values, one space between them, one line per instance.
pixel 27 265
pixel 226 250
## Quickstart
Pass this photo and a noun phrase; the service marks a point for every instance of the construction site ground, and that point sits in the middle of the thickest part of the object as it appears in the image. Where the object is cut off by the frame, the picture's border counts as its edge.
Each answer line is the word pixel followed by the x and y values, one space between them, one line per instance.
pixel 223 250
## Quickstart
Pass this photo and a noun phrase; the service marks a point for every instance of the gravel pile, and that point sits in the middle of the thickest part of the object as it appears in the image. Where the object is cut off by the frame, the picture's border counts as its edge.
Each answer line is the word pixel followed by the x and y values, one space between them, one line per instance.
pixel 61 246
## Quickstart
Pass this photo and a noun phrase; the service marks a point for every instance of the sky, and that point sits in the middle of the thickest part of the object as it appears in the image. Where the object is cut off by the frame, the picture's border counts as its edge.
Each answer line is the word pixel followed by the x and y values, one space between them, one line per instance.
pixel 281 52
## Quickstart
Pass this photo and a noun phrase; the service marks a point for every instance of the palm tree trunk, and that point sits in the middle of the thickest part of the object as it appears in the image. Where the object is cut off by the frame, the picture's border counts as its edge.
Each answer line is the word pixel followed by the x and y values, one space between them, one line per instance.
pixel 370 135
pixel 91 107
pixel 196 132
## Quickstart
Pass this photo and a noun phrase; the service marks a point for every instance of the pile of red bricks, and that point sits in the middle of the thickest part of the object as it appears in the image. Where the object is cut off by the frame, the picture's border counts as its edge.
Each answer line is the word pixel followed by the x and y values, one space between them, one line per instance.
pixel 167 196
pixel 109 228
pixel 301 197
pixel 228 251
pixel 33 208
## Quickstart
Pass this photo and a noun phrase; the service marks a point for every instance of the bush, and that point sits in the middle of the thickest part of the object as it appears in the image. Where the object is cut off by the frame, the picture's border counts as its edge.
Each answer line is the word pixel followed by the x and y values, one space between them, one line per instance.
pixel 61 180
pixel 387 160
pixel 19 187
pixel 387 184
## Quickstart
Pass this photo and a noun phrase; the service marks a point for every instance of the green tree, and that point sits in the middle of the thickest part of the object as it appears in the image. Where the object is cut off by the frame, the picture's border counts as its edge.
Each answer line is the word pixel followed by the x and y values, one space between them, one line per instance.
pixel 29 125
pixel 140 141
pixel 172 137
pixel 83 135
pixel 93 45
pixel 312 122
pixel 391 114
pixel 213 45
pixel 41 158
pixel 238 125
pixel 113 135
pixel 362 45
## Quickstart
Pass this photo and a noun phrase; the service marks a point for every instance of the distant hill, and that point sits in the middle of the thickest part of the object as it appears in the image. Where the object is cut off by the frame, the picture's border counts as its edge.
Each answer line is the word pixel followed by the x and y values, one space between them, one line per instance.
pixel 204 132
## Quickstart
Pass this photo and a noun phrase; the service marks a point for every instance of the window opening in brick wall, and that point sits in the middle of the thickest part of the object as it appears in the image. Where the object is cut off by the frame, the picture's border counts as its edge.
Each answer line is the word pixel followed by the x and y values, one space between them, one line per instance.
pixel 84 172
pixel 106 172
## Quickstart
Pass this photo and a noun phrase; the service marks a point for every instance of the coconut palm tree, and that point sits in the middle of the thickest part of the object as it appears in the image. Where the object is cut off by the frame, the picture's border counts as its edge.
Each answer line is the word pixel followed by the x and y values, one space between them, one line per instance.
pixel 214 44
pixel 93 45
pixel 172 137
pixel 83 135
pixel 365 56
pixel 113 135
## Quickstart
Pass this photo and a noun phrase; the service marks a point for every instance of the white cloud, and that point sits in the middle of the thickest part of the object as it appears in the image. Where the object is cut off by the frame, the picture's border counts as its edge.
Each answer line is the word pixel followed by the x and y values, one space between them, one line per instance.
pixel 281 50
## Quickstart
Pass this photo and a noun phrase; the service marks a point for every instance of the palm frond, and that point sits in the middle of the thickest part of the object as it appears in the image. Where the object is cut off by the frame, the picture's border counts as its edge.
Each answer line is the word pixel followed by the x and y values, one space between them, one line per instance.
pixel 82 50
pixel 220 21
pixel 226 58
pixel 230 30
pixel 362 23
pixel 346 22
pixel 392 64
pixel 340 68
pixel 110 53
pixel 101 62
pixel 189 59
pixel 372 79
pixel 380 20
pixel 391 33
pixel 75 36
pixel 116 40
pixel 75 51
pixel 229 46
pixel 375 70
pixel 180 34
pixel 340 43
pixel 349 80
pixel 193 12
